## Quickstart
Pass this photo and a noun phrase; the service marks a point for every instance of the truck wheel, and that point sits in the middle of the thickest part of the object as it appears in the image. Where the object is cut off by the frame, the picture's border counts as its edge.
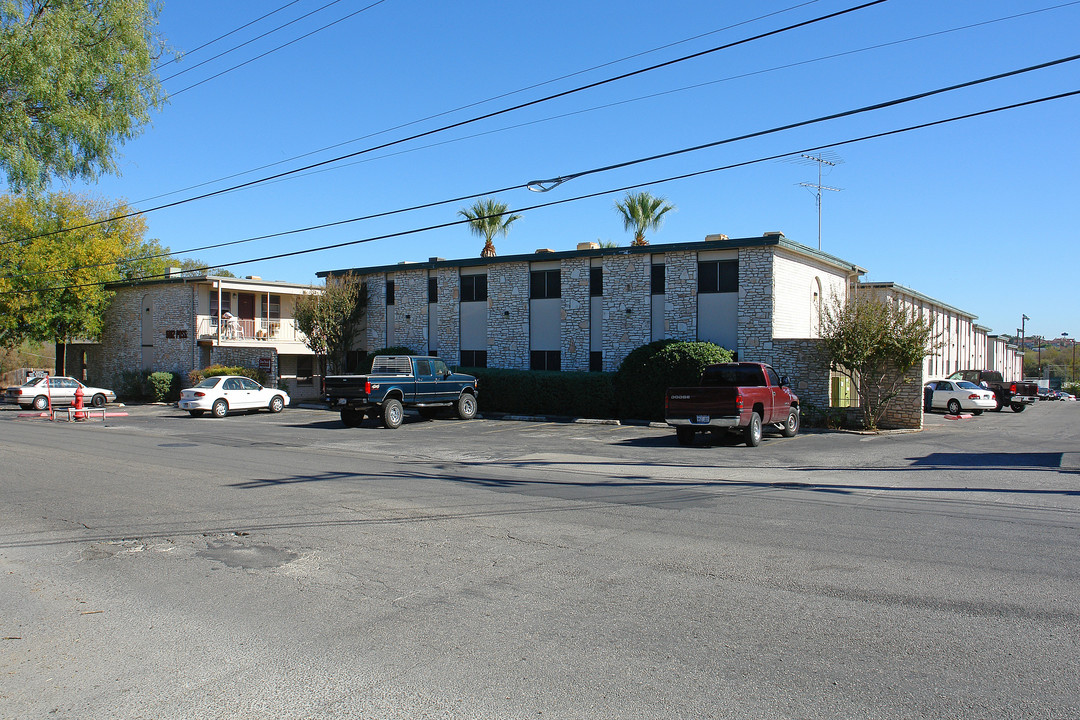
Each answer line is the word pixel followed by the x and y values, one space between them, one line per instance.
pixel 466 406
pixel 791 427
pixel 351 417
pixel 684 435
pixel 752 434
pixel 392 414
pixel 1018 407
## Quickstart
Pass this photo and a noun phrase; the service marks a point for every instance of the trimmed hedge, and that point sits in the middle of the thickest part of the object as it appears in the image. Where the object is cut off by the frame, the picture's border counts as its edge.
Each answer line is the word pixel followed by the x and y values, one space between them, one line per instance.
pixel 541 392
pixel 635 392
pixel 164 387
pixel 197 376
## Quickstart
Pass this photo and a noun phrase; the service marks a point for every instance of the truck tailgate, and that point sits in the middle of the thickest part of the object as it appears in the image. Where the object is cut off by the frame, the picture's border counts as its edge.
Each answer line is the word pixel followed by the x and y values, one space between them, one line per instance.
pixel 700 404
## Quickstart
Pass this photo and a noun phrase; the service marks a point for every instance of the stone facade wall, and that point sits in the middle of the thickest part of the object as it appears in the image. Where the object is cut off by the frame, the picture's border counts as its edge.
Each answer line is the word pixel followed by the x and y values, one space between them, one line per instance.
pixel 248 357
pixel 449 340
pixel 755 302
pixel 804 364
pixel 906 409
pixel 508 316
pixel 376 311
pixel 411 310
pixel 680 301
pixel 574 329
pixel 627 305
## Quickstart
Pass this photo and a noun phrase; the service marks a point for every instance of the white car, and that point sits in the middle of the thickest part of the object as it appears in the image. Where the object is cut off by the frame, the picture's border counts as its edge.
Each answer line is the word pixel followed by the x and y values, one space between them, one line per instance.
pixel 957 395
pixel 224 393
pixel 37 393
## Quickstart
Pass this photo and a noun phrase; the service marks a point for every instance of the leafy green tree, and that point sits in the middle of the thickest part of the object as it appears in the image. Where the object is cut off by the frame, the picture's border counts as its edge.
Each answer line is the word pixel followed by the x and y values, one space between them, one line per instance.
pixel 330 319
pixel 52 288
pixel 640 212
pixel 487 218
pixel 76 81
pixel 874 342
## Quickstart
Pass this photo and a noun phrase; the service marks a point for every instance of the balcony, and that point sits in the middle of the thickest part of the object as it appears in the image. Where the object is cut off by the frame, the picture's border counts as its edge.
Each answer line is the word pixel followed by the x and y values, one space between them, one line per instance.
pixel 248 332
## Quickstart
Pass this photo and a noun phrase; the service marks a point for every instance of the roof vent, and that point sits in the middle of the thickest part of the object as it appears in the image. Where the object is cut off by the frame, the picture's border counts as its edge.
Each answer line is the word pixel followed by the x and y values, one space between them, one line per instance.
pixel 588 246
pixel 436 259
pixel 544 250
pixel 252 277
pixel 774 233
pixel 173 272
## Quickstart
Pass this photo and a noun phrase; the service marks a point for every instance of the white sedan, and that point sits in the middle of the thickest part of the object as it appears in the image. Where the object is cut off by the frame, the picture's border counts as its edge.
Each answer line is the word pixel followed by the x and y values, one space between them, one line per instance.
pixel 224 393
pixel 957 395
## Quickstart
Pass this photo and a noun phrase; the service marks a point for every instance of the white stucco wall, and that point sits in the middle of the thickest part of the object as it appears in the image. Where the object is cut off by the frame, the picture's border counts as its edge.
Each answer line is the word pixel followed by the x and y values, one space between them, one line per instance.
pixel 796 279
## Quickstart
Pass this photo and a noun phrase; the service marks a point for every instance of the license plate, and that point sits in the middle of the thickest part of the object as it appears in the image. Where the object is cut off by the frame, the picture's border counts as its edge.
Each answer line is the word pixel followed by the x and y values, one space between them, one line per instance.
pixel 701 419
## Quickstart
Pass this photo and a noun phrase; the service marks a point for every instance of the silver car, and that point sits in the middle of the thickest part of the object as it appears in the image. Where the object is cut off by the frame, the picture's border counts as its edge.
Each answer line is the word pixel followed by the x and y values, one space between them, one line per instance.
pixel 38 392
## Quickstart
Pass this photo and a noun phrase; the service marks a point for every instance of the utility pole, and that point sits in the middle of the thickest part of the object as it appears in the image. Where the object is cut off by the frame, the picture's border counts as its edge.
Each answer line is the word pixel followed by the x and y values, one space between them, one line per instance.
pixel 819 187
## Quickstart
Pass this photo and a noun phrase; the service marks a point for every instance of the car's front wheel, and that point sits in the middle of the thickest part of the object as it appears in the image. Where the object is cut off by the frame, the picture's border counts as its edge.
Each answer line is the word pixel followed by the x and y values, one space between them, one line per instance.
pixel 276 404
pixel 791 427
pixel 392 414
pixel 220 409
pixel 98 400
pixel 466 406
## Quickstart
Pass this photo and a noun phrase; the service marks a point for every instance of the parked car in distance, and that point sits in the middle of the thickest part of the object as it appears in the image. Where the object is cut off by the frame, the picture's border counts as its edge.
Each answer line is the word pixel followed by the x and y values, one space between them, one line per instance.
pixel 37 392
pixel 739 397
pixel 1014 394
pixel 955 396
pixel 223 394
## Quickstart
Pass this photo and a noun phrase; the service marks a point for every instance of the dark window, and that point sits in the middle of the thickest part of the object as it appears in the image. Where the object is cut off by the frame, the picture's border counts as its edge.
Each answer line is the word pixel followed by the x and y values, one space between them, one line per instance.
pixel 389 292
pixel 304 369
pixel 433 290
pixel 718 276
pixel 423 368
pixel 774 379
pixel 474 289
pixel 545 360
pixel 474 358
pixel 273 309
pixel 226 305
pixel 658 280
pixel 733 376
pixel 596 282
pixel 545 284
pixel 596 361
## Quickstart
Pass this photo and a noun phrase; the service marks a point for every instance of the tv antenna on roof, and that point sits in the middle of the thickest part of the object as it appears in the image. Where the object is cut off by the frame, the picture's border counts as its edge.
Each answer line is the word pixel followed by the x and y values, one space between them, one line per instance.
pixel 822 159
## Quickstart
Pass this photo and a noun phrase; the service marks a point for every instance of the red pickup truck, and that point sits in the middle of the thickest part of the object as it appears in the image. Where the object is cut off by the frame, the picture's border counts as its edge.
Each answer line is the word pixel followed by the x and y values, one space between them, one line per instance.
pixel 741 397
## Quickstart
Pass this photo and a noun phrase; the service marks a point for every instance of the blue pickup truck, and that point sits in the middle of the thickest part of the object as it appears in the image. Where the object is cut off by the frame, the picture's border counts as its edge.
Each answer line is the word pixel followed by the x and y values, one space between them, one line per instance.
pixel 397 382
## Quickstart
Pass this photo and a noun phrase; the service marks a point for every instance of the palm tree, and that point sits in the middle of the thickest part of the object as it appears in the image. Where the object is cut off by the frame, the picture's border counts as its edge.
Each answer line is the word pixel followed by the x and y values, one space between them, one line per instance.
pixel 640 212
pixel 487 218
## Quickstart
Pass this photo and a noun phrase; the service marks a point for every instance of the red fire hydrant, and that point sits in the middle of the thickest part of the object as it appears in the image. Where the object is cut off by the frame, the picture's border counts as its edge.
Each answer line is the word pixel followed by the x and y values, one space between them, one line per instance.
pixel 79 404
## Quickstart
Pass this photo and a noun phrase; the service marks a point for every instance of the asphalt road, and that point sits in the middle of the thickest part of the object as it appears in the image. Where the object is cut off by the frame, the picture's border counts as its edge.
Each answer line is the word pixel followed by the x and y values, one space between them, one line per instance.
pixel 283 566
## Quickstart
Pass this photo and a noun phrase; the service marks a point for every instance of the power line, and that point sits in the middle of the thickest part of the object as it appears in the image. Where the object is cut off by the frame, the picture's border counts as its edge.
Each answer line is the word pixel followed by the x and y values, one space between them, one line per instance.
pixel 479 102
pixel 462 123
pixel 273 50
pixel 673 178
pixel 545 185
pixel 231 32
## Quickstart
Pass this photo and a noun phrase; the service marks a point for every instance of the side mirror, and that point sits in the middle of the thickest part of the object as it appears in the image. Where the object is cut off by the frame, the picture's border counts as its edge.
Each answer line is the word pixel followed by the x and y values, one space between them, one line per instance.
pixel 784 381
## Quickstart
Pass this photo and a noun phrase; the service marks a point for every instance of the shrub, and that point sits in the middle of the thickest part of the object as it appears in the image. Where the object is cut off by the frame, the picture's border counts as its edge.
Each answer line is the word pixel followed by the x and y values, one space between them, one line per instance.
pixel 132 385
pixel 648 371
pixel 164 387
pixel 197 376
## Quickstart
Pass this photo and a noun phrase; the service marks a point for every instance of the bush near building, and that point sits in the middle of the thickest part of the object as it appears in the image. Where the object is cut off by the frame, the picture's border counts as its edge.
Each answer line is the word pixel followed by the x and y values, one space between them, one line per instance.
pixel 197 376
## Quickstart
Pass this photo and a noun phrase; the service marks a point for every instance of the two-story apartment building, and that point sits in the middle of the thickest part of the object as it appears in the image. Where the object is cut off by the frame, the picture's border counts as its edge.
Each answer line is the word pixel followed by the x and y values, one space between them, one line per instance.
pixel 181 323
pixel 586 309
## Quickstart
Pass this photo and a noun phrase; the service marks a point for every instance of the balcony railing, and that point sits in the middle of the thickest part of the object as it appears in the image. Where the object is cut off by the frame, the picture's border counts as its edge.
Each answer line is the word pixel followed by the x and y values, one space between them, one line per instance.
pixel 249 331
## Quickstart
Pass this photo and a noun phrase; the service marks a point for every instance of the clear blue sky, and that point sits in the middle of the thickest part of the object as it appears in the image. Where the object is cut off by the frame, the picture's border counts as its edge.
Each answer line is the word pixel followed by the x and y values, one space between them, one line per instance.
pixel 980 214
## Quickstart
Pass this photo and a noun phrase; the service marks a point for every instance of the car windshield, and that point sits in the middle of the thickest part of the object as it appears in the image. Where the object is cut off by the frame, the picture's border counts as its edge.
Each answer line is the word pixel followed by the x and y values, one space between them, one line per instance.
pixel 209 382
pixel 967 385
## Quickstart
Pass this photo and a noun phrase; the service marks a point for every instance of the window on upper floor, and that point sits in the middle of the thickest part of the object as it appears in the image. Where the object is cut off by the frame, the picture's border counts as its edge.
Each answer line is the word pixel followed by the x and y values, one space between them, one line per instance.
pixel 658 280
pixel 474 289
pixel 718 276
pixel 596 282
pixel 432 290
pixel 545 284
pixel 389 292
